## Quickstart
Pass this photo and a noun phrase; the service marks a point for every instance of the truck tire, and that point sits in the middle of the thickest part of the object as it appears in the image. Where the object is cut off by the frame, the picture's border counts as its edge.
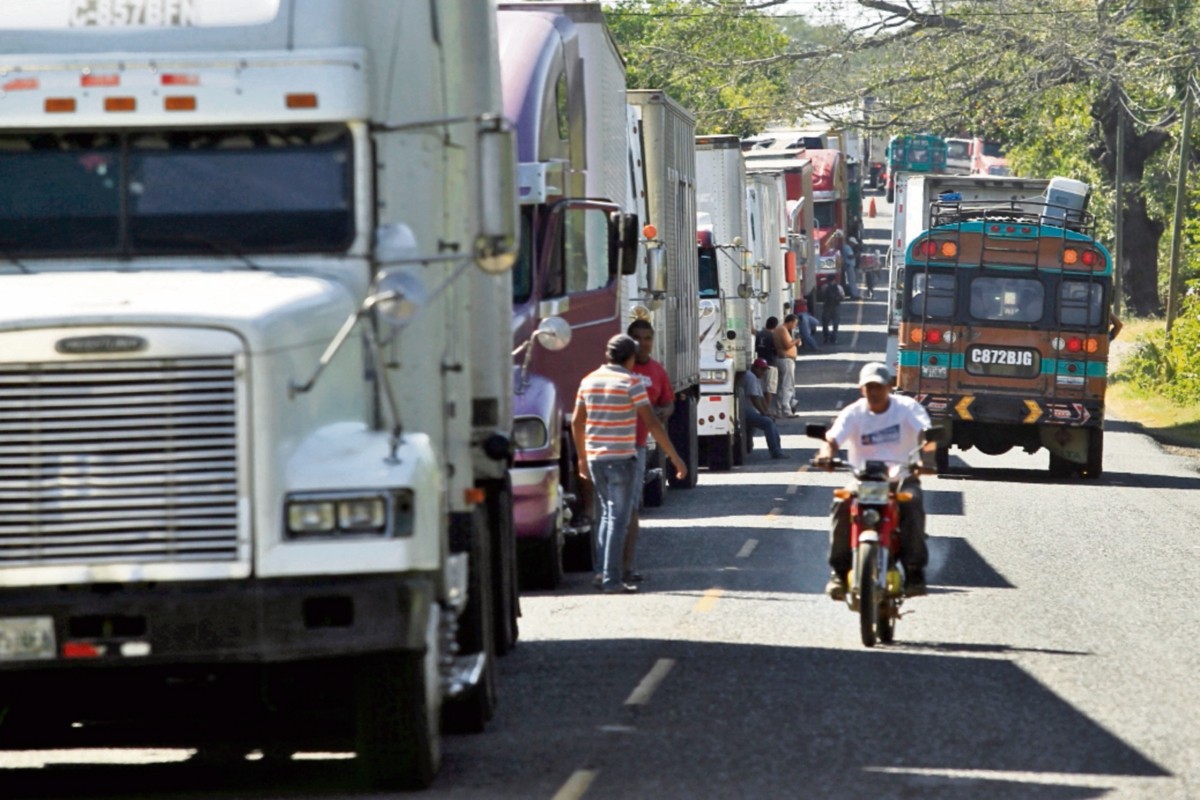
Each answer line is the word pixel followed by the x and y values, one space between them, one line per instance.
pixel 682 428
pixel 720 453
pixel 1061 468
pixel 398 740
pixel 541 562
pixel 470 712
pixel 654 490
pixel 1095 461
pixel 506 604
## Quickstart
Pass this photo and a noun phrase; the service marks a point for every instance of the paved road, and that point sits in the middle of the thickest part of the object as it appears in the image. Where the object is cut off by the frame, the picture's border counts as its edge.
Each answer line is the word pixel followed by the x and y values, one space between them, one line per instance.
pixel 1056 656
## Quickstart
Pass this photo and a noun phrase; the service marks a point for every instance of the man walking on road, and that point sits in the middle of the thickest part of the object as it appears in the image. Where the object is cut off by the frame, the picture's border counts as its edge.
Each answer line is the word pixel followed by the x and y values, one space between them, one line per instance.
pixel 662 400
pixel 785 362
pixel 608 406
pixel 757 415
pixel 850 265
pixel 888 428
pixel 831 310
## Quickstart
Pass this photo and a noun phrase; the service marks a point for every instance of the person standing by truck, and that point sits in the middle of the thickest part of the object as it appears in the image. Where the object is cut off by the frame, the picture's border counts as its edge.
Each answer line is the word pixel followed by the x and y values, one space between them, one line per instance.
pixel 831 311
pixel 657 383
pixel 764 348
pixel 785 361
pixel 608 406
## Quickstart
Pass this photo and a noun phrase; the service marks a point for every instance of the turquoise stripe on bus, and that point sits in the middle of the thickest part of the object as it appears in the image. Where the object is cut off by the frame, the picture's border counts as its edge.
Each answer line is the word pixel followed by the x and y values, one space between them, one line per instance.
pixel 1095 369
pixel 912 358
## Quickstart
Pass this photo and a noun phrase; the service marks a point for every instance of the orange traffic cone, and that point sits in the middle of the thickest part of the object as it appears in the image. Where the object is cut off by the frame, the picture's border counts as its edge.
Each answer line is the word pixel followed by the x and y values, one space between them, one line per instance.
pixel 871 209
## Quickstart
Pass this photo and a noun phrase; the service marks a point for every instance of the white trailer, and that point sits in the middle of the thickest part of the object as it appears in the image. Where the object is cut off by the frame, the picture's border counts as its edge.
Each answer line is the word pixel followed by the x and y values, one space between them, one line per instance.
pixel 910 218
pixel 259 391
pixel 767 204
pixel 662 158
pixel 727 296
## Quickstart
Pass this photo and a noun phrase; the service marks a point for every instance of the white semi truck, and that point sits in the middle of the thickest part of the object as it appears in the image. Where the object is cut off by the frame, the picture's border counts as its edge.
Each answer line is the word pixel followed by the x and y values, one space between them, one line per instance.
pixel 661 136
pixel 254 360
pixel 728 293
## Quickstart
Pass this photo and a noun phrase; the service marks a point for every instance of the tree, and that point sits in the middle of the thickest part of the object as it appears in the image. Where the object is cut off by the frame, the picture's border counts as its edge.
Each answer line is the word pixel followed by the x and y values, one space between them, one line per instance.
pixel 719 58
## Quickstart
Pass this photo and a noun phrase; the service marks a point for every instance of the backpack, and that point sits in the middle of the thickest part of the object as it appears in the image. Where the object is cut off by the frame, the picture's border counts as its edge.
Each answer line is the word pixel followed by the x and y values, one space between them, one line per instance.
pixel 764 346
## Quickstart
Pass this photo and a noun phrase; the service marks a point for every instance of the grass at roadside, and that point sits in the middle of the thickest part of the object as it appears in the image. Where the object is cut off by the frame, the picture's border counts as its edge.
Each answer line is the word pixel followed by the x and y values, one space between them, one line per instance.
pixel 1164 419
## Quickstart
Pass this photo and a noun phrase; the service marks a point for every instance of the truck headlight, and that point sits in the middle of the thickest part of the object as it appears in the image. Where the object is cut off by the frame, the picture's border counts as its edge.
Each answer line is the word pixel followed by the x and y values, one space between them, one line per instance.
pixel 828 262
pixel 713 375
pixel 529 433
pixel 312 516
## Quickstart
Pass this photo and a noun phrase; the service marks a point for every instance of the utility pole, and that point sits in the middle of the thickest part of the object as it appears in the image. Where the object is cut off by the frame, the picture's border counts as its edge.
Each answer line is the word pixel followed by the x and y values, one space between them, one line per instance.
pixel 1119 223
pixel 1180 198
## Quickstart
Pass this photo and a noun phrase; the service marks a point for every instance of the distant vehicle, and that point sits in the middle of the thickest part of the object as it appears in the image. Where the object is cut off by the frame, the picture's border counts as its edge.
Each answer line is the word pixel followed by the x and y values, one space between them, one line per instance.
pixel 913 153
pixel 958 156
pixel 987 158
pixel 1004 323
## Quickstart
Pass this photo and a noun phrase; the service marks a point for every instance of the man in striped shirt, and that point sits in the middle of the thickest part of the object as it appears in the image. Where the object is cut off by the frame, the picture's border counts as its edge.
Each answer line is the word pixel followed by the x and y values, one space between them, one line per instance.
pixel 608 406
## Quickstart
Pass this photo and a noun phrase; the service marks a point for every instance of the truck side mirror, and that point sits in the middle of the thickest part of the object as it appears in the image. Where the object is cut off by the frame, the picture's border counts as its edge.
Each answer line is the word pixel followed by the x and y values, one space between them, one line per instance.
pixel 626 232
pixel 656 270
pixel 553 333
pixel 498 241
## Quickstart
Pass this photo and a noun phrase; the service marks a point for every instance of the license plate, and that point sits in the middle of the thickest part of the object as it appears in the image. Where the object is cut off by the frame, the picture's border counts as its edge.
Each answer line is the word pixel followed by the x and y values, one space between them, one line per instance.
pixel 929 371
pixel 1003 362
pixel 1070 380
pixel 26 638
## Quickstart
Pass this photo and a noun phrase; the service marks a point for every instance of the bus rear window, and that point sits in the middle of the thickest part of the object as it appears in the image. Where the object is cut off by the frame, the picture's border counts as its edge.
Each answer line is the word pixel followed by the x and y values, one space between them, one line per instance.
pixel 1007 299
pixel 932 295
pixel 1080 304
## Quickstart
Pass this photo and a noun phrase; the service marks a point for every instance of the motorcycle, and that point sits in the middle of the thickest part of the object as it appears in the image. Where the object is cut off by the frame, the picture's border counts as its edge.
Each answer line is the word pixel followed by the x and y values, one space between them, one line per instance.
pixel 876 586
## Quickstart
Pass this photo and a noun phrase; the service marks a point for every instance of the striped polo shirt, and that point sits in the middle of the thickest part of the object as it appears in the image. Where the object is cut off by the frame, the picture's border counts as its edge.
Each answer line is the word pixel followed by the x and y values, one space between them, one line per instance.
pixel 611 396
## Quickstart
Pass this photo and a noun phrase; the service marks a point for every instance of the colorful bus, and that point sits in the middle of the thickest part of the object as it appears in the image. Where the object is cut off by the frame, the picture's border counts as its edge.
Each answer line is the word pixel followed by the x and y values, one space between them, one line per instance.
pixel 913 153
pixel 1004 330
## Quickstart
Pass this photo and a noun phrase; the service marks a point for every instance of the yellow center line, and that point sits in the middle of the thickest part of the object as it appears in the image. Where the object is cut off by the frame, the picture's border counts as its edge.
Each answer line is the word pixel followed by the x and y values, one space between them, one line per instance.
pixel 576 785
pixel 709 600
pixel 641 694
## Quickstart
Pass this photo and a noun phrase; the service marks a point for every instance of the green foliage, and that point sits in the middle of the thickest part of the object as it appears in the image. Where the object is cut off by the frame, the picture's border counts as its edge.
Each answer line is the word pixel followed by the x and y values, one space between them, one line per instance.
pixel 719 60
pixel 1168 367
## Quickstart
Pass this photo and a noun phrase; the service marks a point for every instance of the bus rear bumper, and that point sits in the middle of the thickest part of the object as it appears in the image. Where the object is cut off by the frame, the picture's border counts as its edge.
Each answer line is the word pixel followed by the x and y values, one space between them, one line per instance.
pixel 1012 410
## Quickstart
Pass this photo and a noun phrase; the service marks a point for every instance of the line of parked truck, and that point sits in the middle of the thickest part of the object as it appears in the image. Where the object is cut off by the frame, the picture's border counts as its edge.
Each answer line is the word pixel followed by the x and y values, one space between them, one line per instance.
pixel 298 294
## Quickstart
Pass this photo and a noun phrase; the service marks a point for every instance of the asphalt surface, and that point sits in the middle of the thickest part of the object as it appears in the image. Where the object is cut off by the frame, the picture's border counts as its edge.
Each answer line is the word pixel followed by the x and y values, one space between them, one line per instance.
pixel 1055 657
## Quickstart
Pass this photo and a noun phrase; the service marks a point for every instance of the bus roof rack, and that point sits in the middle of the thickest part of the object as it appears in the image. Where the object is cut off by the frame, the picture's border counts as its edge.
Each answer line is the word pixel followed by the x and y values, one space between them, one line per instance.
pixel 1029 211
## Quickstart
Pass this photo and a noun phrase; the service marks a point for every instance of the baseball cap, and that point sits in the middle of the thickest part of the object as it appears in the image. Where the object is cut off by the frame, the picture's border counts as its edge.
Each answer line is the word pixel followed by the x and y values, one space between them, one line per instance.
pixel 875 372
pixel 761 363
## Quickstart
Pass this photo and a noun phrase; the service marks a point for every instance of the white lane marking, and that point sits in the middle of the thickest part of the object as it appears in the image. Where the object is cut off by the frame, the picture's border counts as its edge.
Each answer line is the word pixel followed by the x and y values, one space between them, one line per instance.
pixel 1049 778
pixel 840 403
pixel 641 694
pixel 747 548
pixel 576 785
pixel 792 489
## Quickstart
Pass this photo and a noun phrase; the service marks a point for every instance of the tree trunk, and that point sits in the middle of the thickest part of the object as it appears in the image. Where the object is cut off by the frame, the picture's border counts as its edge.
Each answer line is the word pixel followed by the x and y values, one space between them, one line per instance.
pixel 1139 273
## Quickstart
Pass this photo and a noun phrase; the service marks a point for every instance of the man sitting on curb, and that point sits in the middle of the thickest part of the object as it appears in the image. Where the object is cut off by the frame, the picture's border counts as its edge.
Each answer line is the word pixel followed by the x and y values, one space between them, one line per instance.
pixel 756 415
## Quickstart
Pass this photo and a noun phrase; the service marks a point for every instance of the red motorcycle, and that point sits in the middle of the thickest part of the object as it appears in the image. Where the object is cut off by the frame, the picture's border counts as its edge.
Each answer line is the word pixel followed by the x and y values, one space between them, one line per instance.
pixel 876 586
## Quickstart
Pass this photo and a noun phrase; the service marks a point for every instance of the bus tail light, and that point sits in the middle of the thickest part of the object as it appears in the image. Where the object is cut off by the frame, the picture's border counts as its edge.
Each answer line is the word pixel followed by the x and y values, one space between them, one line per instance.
pixel 933 336
pixel 1090 258
pixel 1091 345
pixel 949 249
pixel 1074 344
pixel 1070 256
pixel 916 335
pixel 929 248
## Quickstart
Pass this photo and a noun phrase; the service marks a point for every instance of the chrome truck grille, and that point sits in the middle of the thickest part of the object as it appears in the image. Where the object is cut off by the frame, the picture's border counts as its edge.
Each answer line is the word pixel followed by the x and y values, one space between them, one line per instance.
pixel 118 462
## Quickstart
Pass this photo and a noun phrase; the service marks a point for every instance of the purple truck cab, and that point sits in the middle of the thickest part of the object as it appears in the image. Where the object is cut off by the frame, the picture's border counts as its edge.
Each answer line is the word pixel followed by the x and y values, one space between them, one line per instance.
pixel 564 86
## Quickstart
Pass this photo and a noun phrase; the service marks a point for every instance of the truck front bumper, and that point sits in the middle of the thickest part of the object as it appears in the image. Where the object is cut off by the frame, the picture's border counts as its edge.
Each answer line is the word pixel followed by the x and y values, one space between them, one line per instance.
pixel 247 621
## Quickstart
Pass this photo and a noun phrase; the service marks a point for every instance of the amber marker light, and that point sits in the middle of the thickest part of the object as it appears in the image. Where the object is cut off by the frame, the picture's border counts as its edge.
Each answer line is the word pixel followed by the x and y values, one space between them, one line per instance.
pixel 180 103
pixel 120 104
pixel 302 100
pixel 60 105
pixel 949 249
pixel 1070 256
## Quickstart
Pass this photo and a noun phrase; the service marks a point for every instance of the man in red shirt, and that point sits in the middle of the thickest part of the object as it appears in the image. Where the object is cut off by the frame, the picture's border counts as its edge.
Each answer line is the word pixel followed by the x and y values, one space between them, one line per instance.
pixel 662 401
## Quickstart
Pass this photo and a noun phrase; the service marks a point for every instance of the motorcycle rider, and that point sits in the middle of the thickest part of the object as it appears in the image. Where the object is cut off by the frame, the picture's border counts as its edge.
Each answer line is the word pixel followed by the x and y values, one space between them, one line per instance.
pixel 879 427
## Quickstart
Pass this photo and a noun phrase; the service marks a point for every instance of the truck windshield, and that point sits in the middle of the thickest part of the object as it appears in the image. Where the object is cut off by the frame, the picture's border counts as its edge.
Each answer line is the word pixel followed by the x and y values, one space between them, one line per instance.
pixel 823 215
pixel 176 192
pixel 993 150
pixel 522 273
pixel 957 150
pixel 710 282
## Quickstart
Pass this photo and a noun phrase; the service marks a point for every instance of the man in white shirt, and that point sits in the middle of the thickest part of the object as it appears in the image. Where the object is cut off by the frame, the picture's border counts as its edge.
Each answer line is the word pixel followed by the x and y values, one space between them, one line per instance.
pixel 888 428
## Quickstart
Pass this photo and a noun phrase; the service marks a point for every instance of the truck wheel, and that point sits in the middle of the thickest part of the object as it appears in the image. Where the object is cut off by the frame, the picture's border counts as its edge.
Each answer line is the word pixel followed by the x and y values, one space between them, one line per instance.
pixel 1095 460
pixel 541 562
pixel 720 453
pixel 891 194
pixel 506 604
pixel 1061 468
pixel 470 712
pixel 942 460
pixel 685 437
pixel 396 716
pixel 654 491
pixel 577 552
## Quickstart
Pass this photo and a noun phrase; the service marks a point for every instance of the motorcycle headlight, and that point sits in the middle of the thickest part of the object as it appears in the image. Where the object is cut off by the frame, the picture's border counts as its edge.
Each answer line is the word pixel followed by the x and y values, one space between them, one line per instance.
pixel 529 433
pixel 870 518
pixel 311 516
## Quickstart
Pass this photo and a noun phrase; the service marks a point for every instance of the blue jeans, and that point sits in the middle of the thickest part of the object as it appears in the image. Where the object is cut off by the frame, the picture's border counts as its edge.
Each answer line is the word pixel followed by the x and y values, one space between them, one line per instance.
pixel 808 327
pixel 767 426
pixel 617 489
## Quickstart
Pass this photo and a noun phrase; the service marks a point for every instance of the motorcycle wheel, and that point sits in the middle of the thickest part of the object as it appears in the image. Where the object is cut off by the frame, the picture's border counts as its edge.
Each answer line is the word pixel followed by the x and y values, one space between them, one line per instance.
pixel 868 603
pixel 886 629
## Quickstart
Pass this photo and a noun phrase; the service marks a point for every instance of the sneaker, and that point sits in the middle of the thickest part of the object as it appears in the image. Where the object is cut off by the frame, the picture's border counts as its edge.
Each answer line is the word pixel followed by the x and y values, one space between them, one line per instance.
pixel 836 588
pixel 914 583
pixel 620 588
